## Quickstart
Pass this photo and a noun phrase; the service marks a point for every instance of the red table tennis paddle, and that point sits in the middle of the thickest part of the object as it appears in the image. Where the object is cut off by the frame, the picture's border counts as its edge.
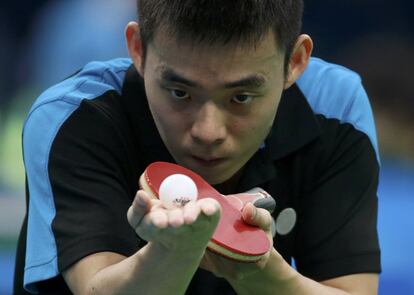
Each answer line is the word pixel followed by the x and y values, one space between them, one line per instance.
pixel 233 238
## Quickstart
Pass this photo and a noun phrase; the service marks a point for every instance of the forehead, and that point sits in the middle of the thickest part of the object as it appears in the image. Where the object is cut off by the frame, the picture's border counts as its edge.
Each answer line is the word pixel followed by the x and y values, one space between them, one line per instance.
pixel 168 49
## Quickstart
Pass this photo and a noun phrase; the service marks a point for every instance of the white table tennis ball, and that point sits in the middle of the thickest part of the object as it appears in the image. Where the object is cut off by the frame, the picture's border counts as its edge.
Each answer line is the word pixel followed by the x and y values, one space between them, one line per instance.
pixel 177 190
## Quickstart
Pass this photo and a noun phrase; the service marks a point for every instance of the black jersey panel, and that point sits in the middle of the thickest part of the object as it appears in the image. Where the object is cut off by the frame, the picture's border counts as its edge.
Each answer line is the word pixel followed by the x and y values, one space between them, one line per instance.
pixel 337 205
pixel 92 173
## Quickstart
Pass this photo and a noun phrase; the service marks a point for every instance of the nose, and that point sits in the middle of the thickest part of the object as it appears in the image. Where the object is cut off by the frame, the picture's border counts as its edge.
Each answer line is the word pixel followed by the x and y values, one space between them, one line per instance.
pixel 209 125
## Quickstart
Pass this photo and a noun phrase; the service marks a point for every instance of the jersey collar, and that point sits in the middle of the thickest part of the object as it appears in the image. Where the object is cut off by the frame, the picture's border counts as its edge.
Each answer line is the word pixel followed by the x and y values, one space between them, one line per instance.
pixel 295 125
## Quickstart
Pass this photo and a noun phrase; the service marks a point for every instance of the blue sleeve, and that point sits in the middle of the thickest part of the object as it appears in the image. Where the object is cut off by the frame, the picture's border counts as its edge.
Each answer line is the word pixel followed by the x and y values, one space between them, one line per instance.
pixel 337 92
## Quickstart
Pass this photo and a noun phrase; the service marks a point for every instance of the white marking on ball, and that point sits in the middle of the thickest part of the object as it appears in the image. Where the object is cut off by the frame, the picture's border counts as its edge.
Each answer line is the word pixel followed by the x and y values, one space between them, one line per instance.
pixel 177 190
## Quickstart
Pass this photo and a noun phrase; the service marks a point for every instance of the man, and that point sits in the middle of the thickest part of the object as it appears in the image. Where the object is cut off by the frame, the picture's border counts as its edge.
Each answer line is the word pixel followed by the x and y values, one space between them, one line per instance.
pixel 213 86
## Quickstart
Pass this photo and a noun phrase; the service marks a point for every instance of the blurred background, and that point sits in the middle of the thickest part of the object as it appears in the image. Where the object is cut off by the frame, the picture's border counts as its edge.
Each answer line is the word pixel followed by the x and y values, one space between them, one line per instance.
pixel 42 42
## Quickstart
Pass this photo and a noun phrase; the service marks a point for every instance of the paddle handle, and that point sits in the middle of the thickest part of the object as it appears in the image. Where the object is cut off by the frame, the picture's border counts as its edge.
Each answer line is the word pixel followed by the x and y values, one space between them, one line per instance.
pixel 257 196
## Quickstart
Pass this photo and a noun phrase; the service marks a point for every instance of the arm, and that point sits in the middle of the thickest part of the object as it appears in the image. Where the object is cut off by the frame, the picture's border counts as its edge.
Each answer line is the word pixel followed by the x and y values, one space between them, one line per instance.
pixel 292 282
pixel 111 273
pixel 177 240
pixel 274 273
pixel 336 231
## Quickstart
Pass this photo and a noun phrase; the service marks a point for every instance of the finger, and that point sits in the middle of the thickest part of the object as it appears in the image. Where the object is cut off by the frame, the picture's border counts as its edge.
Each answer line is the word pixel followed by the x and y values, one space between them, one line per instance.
pixel 158 218
pixel 257 216
pixel 210 215
pixel 155 203
pixel 139 207
pixel 209 206
pixel 191 212
pixel 175 217
pixel 150 226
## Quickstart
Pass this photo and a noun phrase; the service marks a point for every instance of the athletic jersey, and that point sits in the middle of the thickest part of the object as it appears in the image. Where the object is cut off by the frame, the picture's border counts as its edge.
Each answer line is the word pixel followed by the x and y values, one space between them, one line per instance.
pixel 87 140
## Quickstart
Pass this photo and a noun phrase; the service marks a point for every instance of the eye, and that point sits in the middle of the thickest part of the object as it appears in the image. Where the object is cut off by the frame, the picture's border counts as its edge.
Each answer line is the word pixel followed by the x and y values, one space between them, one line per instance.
pixel 179 94
pixel 242 98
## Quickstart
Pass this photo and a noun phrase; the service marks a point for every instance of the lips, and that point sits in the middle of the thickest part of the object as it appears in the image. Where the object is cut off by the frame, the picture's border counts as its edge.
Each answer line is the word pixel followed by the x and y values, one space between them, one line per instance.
pixel 208 162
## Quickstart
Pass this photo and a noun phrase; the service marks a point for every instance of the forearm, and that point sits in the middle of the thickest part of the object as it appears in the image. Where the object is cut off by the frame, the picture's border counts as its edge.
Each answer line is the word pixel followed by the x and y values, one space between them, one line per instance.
pixel 152 270
pixel 270 281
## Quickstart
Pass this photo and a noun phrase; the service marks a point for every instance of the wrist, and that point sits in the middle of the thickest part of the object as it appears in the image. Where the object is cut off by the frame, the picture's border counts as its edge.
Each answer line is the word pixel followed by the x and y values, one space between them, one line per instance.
pixel 276 273
pixel 159 250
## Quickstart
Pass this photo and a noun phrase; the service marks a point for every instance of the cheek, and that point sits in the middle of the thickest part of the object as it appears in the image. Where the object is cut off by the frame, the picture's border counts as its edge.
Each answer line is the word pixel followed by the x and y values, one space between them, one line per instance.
pixel 155 101
pixel 253 131
pixel 170 124
pixel 164 119
pixel 158 109
pixel 259 122
pixel 250 133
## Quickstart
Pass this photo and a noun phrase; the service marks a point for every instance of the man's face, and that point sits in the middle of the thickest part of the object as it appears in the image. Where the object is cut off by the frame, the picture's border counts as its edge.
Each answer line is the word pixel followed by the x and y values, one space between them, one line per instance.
pixel 213 105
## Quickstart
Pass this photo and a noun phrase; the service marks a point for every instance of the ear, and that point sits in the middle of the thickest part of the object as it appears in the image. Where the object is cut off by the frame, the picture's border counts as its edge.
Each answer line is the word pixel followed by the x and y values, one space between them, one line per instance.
pixel 299 59
pixel 134 44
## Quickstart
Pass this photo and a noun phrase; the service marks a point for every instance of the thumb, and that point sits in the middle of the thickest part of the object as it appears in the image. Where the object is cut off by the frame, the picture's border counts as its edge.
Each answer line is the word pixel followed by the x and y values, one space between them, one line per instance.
pixel 139 207
pixel 257 216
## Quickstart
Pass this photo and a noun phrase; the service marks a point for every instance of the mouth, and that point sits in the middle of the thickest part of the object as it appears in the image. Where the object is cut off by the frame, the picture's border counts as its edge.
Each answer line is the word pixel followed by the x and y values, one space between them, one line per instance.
pixel 208 162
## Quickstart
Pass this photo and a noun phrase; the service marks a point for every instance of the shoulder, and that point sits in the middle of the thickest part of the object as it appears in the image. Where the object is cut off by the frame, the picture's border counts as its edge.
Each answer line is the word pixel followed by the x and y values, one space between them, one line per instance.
pixel 79 102
pixel 336 93
pixel 94 79
pixel 331 89
pixel 56 104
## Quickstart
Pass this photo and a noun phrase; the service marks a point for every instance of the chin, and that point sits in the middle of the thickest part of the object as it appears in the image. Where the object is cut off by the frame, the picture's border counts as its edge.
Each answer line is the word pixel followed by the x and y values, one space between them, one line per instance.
pixel 215 181
pixel 217 178
pixel 210 178
pixel 213 175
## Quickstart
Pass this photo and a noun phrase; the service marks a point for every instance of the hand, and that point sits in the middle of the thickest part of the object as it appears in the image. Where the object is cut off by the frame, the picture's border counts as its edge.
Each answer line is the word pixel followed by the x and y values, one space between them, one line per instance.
pixel 186 229
pixel 232 270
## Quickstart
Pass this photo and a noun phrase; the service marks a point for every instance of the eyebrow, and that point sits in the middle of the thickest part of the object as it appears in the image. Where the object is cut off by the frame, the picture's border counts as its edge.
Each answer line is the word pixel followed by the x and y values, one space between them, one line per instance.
pixel 254 80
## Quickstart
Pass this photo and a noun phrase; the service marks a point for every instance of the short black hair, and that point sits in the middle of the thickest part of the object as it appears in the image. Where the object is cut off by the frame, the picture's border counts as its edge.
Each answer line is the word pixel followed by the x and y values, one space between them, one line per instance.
pixel 223 21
